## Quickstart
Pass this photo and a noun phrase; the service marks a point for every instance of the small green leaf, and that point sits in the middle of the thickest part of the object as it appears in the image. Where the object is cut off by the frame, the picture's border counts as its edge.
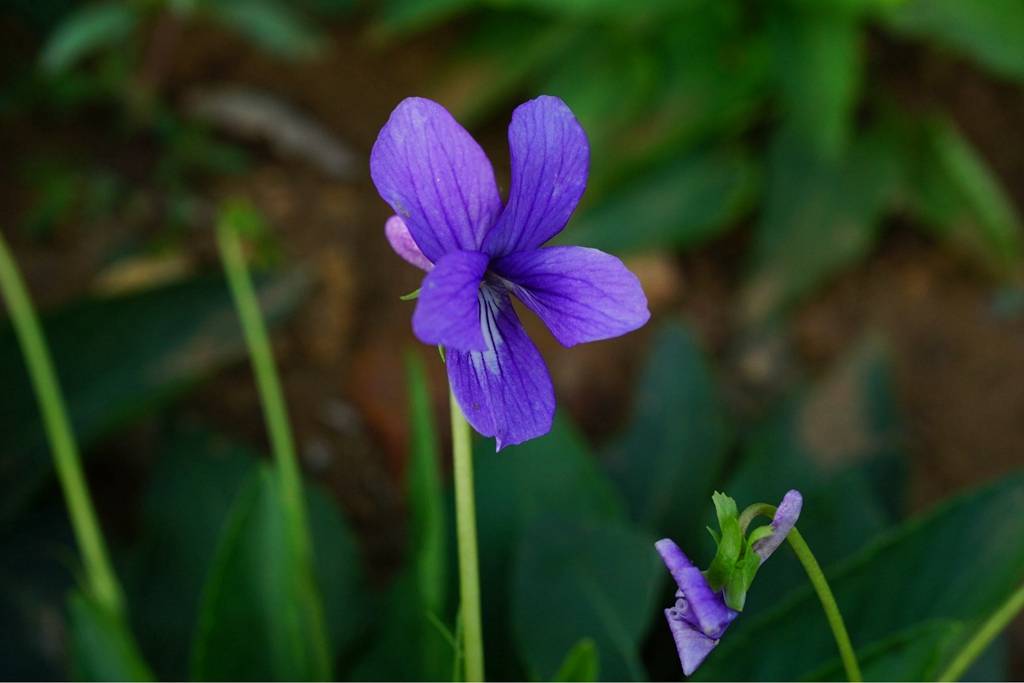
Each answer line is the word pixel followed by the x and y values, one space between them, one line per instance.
pixel 102 647
pixel 411 296
pixel 89 29
pixel 260 586
pixel 581 663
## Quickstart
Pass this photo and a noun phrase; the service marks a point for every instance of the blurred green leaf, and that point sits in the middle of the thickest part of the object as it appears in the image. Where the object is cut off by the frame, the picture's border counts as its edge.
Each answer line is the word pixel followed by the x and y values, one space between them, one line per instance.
pixel 674 449
pixel 396 17
pixel 118 358
pixel 582 79
pixel 502 52
pixel 679 204
pixel 426 500
pixel 839 443
pixel 260 615
pixel 185 511
pixel 955 564
pixel 991 32
pixel 419 593
pixel 271 25
pixel 820 217
pixel 581 663
pixel 555 474
pixel 714 76
pixel 953 192
pixel 88 29
pixel 819 67
pixel 584 579
pixel 102 648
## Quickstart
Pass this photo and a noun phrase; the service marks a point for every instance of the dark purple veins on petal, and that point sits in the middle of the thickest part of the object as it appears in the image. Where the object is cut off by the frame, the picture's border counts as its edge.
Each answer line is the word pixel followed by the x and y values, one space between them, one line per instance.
pixel 550 161
pixel 436 178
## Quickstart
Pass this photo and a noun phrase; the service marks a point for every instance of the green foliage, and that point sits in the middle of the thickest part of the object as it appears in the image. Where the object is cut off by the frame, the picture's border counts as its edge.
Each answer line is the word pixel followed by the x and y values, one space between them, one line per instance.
pixel 584 579
pixel 672 417
pixel 674 449
pixel 989 31
pixel 820 217
pixel 417 599
pixel 954 194
pixel 102 649
pixel 272 26
pixel 890 589
pixel 682 203
pixel 262 585
pixel 119 358
pixel 580 664
pixel 91 28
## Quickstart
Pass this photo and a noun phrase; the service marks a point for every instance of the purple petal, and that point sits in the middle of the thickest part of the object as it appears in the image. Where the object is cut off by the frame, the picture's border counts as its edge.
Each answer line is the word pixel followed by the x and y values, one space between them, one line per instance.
pixel 436 178
pixel 692 645
pixel 581 294
pixel 448 308
pixel 783 522
pixel 404 245
pixel 707 607
pixel 550 156
pixel 505 391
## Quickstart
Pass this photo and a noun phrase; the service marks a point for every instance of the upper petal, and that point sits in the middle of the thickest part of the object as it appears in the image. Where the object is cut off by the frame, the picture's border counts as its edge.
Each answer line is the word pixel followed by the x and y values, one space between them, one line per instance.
pixel 404 245
pixel 448 309
pixel 436 178
pixel 550 159
pixel 581 294
pixel 504 391
pixel 783 522
pixel 707 607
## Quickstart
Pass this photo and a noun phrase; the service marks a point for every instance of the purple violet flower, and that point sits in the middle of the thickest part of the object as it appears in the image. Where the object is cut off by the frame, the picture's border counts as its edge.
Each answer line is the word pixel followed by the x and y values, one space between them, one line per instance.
pixel 451 223
pixel 700 616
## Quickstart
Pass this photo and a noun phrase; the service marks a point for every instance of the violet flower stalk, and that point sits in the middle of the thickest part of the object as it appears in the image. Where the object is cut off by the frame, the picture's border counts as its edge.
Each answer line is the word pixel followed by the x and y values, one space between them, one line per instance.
pixel 478 253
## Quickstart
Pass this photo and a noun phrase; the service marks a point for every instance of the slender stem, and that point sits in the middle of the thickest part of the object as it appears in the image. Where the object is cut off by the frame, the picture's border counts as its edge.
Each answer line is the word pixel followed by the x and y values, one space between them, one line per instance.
pixel 274 411
pixel 985 635
pixel 102 582
pixel 465 521
pixel 271 396
pixel 828 603
pixel 817 578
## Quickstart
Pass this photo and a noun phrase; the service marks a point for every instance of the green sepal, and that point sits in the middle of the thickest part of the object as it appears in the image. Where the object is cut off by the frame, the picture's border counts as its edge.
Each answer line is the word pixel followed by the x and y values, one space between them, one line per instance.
pixel 415 294
pixel 730 543
pixel 739 581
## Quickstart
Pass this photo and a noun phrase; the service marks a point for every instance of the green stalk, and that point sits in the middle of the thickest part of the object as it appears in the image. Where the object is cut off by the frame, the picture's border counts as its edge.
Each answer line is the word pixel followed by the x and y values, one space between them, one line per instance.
pixel 274 410
pixel 103 585
pixel 992 627
pixel 817 578
pixel 465 522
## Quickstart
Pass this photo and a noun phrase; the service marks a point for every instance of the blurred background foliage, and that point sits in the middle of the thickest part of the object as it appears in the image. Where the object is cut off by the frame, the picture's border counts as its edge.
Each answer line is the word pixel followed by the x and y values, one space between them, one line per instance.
pixel 822 198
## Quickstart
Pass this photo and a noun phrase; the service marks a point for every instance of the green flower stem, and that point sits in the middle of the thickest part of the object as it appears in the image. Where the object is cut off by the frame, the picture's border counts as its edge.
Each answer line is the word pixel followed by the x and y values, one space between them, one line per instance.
pixel 817 578
pixel 992 627
pixel 465 521
pixel 103 584
pixel 274 410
